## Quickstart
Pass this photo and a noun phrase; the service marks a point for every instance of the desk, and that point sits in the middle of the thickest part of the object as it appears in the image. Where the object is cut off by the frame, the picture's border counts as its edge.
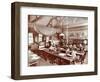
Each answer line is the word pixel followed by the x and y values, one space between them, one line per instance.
pixel 53 57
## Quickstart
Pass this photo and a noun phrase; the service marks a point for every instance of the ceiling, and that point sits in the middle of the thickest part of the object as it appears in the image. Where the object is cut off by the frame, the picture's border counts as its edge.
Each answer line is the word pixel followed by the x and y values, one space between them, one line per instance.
pixel 57 21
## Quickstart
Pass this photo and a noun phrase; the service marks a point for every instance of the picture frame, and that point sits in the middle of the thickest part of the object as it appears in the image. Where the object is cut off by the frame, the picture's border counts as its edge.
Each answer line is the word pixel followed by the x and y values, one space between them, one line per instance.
pixel 17 36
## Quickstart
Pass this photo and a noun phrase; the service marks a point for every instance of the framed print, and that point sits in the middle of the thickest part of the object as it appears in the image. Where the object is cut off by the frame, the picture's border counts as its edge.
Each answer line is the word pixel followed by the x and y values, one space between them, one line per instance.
pixel 51 40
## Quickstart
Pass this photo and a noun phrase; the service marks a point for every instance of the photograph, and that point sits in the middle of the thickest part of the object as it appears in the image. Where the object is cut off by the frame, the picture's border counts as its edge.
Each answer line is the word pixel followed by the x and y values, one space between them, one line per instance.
pixel 57 40
pixel 50 40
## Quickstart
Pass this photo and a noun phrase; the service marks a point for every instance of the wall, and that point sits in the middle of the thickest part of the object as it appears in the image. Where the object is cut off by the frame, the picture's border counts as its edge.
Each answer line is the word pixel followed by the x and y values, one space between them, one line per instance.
pixel 5 40
pixel 76 32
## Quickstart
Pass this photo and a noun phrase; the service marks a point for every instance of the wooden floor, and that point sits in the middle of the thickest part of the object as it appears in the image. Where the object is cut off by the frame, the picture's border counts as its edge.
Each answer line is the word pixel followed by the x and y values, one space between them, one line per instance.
pixel 42 62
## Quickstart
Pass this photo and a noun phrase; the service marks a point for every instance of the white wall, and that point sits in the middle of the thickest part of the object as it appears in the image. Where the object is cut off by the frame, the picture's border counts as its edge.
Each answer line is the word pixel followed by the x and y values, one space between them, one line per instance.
pixel 5 42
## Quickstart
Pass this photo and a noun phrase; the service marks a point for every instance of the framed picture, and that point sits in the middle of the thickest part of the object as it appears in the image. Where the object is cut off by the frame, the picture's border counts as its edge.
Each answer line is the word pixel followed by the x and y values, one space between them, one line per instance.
pixel 51 40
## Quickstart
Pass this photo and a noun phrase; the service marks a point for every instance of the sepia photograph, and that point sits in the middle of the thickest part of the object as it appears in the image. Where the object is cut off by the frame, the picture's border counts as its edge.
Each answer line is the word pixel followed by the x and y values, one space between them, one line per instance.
pixel 50 40
pixel 57 40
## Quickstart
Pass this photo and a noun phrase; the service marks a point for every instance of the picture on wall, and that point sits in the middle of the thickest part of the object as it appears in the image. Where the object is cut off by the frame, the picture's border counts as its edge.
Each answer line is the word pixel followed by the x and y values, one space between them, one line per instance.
pixel 53 40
